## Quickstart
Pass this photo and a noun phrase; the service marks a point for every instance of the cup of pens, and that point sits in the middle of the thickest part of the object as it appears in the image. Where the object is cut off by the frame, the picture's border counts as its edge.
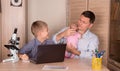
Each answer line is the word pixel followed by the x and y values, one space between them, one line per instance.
pixel 96 63
pixel 97 60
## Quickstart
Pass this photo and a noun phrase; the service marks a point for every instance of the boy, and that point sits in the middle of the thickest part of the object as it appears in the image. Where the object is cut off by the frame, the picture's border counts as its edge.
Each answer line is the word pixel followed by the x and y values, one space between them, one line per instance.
pixel 72 40
pixel 40 31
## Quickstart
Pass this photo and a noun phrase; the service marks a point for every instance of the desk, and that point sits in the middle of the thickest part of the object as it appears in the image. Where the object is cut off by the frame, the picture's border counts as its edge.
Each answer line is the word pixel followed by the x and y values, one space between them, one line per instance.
pixel 73 65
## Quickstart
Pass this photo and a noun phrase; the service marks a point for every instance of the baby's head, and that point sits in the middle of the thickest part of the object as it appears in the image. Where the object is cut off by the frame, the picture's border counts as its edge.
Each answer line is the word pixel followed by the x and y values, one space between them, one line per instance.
pixel 39 28
pixel 73 26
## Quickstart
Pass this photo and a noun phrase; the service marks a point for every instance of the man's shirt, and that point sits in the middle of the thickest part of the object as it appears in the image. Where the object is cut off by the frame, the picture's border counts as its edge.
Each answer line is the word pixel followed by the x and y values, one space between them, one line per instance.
pixel 86 45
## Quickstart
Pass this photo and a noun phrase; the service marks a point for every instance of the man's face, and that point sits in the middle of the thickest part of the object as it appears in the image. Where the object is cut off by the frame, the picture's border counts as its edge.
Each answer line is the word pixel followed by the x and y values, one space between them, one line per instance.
pixel 84 23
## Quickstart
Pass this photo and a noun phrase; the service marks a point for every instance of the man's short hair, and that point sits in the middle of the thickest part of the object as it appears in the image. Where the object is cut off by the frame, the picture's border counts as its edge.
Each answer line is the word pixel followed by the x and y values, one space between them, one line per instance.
pixel 90 15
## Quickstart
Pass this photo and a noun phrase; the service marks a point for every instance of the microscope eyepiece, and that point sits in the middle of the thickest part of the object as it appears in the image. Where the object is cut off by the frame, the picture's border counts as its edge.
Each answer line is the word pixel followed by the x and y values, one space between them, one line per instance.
pixel 15 30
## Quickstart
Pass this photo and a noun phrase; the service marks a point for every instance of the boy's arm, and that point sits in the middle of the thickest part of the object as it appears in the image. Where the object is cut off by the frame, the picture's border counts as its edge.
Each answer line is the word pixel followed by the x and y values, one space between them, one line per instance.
pixel 27 48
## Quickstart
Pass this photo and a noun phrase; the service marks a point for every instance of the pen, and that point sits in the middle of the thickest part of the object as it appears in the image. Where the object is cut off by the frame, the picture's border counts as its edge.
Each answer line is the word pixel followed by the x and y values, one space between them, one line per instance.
pixel 102 52
pixel 93 53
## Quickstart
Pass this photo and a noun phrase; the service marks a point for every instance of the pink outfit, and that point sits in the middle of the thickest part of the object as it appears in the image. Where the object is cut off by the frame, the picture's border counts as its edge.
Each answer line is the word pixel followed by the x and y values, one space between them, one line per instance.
pixel 73 40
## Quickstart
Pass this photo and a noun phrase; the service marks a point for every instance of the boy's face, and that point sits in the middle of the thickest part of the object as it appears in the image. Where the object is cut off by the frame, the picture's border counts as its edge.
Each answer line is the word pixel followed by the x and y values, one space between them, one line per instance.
pixel 43 33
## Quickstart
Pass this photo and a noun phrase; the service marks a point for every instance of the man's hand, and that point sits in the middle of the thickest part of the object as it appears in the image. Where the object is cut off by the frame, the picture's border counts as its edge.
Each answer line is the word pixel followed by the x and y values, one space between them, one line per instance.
pixel 69 32
pixel 72 49
pixel 65 33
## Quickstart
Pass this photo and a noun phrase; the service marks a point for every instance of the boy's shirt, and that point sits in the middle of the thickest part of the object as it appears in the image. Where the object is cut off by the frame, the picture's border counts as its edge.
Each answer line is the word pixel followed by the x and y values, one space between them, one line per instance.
pixel 31 48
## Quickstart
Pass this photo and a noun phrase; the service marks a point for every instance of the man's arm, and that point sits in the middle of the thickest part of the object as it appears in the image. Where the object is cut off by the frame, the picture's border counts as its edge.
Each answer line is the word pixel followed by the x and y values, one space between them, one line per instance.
pixel 75 51
pixel 63 33
pixel 59 36
pixel 72 49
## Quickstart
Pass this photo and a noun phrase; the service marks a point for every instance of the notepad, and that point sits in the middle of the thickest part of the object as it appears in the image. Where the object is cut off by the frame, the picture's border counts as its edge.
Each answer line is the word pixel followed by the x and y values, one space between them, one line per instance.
pixel 53 67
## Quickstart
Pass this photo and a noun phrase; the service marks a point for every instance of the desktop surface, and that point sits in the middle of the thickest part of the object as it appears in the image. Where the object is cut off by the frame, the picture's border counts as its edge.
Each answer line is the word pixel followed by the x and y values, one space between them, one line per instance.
pixel 71 64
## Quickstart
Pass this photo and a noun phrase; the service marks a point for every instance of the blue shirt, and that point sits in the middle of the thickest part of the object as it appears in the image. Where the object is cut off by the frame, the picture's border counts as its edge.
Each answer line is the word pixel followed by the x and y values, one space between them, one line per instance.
pixel 86 45
pixel 31 48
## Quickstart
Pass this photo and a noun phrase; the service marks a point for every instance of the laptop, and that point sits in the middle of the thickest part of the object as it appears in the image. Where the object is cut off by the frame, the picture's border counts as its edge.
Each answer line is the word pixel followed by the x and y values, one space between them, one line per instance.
pixel 49 53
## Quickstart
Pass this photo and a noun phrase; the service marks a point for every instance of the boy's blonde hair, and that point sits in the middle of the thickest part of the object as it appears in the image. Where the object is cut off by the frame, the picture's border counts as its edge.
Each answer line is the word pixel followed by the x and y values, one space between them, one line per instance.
pixel 37 26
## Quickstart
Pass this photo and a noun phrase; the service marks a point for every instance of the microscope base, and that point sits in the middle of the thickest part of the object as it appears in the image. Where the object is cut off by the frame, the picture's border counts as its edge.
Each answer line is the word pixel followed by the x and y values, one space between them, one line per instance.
pixel 11 59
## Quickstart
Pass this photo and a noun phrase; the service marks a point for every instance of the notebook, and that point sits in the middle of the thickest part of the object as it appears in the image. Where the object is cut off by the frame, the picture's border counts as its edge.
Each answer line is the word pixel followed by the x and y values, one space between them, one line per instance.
pixel 49 53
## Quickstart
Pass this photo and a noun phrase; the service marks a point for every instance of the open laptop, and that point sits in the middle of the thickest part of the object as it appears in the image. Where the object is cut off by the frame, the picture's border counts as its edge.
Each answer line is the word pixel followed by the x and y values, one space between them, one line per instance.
pixel 50 53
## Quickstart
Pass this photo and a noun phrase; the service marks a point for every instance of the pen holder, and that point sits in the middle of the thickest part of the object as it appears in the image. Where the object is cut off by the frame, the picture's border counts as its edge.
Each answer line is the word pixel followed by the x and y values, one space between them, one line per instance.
pixel 96 63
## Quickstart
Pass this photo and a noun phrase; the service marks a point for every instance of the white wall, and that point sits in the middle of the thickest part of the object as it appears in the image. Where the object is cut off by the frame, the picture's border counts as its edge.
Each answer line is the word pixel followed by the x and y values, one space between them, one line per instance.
pixel 53 12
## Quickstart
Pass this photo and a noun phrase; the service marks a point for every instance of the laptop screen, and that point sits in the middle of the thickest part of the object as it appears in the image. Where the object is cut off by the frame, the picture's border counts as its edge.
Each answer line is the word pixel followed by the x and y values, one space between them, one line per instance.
pixel 50 53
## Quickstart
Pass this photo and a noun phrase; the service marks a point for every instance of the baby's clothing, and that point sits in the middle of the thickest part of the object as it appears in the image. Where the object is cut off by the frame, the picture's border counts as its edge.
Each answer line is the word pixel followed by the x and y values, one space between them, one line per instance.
pixel 72 40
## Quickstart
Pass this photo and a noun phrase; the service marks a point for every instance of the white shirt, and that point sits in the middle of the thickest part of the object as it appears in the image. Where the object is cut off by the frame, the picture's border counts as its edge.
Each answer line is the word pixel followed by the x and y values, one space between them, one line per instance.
pixel 86 45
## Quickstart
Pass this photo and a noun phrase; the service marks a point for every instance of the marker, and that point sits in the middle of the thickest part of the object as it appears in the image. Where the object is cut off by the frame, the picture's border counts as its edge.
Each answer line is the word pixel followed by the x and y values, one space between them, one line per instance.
pixel 100 54
pixel 96 52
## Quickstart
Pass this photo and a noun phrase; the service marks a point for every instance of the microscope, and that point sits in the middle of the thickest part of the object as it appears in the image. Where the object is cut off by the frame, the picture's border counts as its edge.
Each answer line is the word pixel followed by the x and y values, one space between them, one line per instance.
pixel 13 46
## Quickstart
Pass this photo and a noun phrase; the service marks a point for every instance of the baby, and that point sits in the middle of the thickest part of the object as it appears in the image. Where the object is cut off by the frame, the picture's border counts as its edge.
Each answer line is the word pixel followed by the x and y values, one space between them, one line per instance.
pixel 72 40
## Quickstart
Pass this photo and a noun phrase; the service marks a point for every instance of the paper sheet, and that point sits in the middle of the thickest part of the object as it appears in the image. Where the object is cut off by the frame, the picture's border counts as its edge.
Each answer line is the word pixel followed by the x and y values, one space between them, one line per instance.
pixel 53 67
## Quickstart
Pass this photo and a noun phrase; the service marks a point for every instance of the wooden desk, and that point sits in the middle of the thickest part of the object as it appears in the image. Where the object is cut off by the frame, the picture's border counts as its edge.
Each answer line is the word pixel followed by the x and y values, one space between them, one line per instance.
pixel 73 65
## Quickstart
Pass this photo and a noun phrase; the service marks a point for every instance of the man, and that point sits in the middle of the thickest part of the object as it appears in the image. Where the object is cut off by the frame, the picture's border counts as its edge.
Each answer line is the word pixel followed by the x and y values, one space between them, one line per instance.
pixel 89 41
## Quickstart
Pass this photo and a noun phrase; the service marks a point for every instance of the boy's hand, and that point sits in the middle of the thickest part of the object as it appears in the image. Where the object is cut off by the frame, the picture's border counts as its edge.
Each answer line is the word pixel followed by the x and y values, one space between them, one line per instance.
pixel 24 57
